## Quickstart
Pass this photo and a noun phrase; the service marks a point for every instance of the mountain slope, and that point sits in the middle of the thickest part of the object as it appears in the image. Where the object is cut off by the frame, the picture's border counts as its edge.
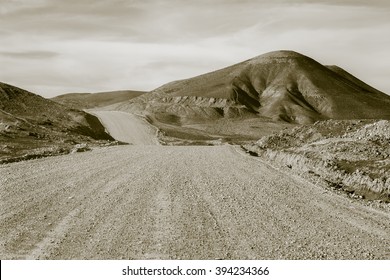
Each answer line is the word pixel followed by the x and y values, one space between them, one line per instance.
pixel 28 122
pixel 92 100
pixel 282 85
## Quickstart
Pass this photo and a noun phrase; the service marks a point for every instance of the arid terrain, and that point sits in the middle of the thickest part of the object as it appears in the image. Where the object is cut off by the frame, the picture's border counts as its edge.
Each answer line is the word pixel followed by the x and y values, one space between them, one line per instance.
pixel 353 155
pixel 180 202
pixel 277 157
pixel 256 97
pixel 32 126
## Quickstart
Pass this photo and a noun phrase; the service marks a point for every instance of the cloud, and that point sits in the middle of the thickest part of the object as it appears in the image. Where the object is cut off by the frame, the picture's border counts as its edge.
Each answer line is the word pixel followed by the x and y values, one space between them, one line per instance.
pixel 30 54
pixel 56 46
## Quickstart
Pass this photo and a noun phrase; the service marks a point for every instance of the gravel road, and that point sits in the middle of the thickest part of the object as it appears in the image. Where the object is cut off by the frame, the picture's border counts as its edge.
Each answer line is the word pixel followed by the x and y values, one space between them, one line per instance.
pixel 148 202
pixel 163 202
pixel 127 127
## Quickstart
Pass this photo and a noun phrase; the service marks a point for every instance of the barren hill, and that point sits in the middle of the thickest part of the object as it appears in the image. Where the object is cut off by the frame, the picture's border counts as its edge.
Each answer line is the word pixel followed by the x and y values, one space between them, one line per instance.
pixel 282 85
pixel 92 100
pixel 29 122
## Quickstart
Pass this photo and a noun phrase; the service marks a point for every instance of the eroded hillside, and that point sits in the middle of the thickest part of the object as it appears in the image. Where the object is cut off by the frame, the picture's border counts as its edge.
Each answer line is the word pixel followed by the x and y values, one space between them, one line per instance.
pixel 352 155
pixel 31 125
pixel 282 85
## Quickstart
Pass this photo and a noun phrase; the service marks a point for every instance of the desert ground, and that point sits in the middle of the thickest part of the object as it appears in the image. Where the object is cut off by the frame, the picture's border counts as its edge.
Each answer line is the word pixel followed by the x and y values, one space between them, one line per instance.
pixel 149 201
pixel 276 157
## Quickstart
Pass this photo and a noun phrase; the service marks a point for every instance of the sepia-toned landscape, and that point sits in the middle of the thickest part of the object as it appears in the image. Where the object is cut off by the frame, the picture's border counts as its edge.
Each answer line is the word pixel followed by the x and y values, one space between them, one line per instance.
pixel 276 157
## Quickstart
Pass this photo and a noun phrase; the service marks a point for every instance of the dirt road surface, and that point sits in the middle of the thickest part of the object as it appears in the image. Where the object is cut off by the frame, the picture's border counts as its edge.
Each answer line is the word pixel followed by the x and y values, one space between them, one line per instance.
pixel 163 202
pixel 156 202
pixel 127 127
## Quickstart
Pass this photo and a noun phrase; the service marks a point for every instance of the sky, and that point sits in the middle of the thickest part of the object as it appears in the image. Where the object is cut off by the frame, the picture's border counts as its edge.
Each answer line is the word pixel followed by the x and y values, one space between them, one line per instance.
pixel 51 47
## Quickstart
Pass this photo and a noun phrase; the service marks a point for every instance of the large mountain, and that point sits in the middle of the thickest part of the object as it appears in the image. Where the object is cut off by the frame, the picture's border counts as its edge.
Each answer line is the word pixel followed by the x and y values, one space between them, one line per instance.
pixel 283 86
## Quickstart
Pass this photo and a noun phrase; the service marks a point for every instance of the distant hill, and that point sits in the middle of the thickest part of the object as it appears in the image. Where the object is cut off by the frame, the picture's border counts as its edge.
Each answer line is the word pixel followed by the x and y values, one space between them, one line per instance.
pixel 29 121
pixel 283 86
pixel 93 100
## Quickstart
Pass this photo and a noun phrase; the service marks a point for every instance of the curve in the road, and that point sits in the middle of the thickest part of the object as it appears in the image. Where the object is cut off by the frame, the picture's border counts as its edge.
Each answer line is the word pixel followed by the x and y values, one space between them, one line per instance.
pixel 128 128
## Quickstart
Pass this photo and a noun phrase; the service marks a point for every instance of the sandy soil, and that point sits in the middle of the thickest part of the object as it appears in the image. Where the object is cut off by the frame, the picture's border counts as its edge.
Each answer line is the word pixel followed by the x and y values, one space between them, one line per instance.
pixel 147 202
pixel 127 127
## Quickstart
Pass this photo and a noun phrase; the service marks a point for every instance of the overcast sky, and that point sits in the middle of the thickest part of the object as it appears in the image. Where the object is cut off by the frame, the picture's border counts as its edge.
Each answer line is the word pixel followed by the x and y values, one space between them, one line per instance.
pixel 52 47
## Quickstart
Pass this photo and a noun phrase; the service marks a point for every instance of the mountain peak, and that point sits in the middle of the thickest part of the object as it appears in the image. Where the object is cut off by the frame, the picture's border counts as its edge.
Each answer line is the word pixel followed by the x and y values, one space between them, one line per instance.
pixel 283 54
